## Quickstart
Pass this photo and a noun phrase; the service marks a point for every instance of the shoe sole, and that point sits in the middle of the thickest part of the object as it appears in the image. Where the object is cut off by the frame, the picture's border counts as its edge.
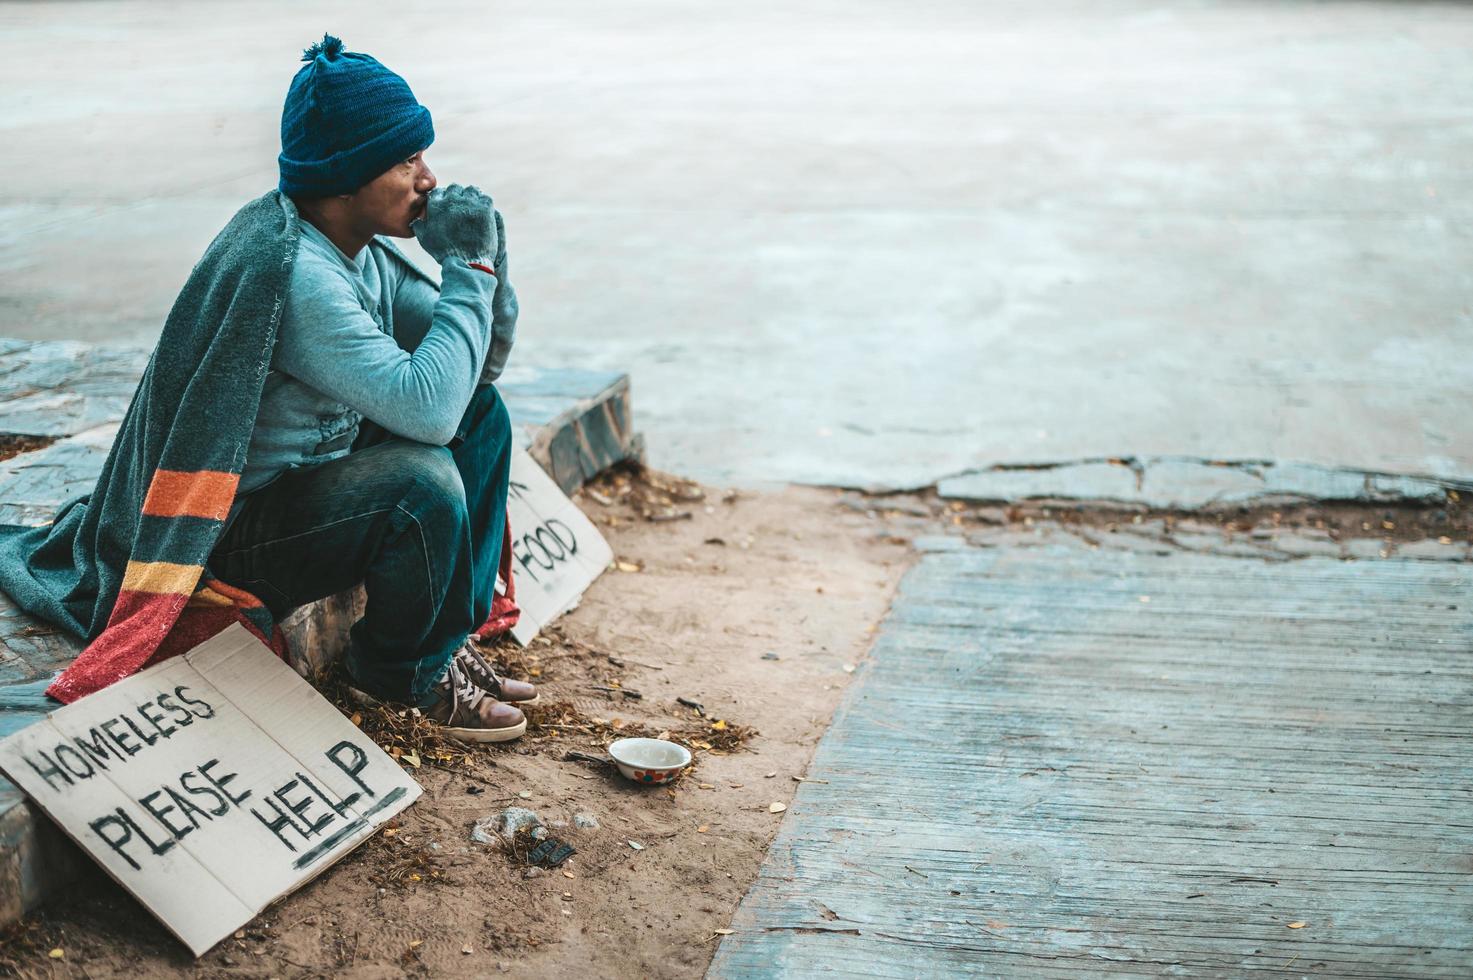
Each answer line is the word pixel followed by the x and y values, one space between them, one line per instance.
pixel 486 735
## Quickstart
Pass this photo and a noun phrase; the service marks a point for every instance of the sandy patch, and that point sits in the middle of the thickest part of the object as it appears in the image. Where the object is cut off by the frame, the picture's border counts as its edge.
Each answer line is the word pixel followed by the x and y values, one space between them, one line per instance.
pixel 752 607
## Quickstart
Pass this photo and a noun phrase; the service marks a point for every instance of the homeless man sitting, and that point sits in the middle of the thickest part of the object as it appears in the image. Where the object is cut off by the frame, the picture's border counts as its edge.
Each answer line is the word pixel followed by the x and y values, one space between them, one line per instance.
pixel 317 414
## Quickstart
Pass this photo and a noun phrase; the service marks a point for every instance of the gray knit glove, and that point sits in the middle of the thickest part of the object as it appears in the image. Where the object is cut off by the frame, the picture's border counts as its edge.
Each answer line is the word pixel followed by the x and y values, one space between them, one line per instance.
pixel 503 314
pixel 458 222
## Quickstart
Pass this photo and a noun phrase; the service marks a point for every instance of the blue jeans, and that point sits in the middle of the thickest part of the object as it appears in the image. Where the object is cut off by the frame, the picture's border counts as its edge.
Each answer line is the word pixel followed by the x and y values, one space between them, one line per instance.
pixel 419 525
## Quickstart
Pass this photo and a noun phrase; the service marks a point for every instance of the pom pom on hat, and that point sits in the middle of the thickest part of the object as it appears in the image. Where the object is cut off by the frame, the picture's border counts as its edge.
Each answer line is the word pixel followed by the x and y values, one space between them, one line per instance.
pixel 329 47
pixel 346 120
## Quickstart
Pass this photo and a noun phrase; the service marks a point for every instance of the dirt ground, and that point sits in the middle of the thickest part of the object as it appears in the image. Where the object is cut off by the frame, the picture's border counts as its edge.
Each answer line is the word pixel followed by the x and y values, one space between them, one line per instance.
pixel 755 606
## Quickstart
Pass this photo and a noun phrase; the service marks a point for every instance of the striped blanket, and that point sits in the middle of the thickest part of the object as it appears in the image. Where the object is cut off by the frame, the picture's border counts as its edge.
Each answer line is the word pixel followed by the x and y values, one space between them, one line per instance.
pixel 124 567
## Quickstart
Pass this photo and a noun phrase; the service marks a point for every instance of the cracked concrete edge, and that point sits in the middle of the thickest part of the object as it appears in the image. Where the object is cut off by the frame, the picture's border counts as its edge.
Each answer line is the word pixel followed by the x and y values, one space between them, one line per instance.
pixel 35 859
pixel 58 388
pixel 1187 483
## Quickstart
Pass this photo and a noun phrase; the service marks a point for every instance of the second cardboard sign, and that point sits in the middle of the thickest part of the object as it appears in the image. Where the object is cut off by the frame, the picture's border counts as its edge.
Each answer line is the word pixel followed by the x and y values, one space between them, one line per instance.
pixel 556 550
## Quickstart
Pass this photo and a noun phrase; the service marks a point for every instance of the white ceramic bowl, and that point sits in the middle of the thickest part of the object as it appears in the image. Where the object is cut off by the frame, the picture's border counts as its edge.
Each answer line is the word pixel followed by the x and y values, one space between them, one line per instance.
pixel 649 760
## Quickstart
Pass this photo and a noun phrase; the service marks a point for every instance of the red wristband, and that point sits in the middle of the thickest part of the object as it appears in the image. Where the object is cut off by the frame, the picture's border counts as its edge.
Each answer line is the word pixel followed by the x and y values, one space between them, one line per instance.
pixel 484 268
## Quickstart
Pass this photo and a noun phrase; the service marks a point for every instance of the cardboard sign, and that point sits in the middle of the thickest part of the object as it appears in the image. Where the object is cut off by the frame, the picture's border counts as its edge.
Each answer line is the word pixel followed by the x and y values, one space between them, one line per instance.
pixel 210 785
pixel 556 550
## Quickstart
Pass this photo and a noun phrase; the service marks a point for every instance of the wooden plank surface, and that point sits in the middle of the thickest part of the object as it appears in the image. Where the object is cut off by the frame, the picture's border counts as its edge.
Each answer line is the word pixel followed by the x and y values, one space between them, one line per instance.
pixel 1062 762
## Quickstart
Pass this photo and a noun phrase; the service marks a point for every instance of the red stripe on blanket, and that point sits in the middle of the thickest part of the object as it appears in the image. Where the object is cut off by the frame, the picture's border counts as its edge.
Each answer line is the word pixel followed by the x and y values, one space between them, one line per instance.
pixel 140 621
pixel 149 627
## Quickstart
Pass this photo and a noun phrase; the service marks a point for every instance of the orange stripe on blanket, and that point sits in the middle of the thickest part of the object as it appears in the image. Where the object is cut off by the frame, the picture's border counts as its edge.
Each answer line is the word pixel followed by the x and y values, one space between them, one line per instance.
pixel 203 493
pixel 161 577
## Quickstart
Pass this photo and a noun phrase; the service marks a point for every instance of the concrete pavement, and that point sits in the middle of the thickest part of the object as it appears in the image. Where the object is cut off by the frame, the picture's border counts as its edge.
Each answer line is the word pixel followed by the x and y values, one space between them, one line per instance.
pixel 854 243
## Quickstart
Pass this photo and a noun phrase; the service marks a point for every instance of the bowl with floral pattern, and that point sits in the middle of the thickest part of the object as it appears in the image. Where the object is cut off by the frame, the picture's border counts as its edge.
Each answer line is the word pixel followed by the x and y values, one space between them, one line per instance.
pixel 650 761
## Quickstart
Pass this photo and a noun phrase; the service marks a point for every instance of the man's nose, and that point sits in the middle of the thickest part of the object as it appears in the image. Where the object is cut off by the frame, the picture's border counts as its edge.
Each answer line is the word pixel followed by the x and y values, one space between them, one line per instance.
pixel 425 182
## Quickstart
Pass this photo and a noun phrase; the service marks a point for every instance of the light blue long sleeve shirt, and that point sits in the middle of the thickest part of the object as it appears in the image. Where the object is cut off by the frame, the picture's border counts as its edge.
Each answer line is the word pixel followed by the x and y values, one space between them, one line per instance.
pixel 366 337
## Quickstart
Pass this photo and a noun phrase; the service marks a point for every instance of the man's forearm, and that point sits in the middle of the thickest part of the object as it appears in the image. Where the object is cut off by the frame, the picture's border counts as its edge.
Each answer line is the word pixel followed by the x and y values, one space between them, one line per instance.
pixel 334 346
pixel 442 372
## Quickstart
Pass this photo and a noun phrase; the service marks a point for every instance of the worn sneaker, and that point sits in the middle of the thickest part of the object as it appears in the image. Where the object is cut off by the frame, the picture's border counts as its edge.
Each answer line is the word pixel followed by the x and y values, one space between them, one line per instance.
pixel 480 671
pixel 469 713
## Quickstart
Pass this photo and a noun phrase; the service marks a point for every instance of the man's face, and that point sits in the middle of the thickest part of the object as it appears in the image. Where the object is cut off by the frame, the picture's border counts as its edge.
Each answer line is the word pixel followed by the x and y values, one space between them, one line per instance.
pixel 388 203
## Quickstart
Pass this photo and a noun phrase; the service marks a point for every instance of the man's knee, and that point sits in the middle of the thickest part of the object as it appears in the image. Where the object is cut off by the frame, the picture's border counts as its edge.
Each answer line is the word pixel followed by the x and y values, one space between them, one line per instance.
pixel 491 409
pixel 428 476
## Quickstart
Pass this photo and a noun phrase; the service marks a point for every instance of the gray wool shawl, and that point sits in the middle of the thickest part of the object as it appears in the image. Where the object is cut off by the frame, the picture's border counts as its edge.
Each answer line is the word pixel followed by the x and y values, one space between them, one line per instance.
pixel 120 566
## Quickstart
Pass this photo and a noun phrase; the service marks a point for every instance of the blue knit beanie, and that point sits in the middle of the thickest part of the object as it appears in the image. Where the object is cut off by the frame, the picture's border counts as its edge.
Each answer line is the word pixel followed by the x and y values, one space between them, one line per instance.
pixel 347 119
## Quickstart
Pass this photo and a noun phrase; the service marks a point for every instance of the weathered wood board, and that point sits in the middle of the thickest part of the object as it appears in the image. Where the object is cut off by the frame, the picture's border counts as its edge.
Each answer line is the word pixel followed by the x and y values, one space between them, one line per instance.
pixel 556 551
pixel 209 785
pixel 1062 762
pixel 576 423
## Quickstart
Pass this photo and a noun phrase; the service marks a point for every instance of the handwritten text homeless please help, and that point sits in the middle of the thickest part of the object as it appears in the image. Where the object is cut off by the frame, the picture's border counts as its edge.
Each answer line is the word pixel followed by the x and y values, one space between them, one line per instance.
pixel 307 819
pixel 208 785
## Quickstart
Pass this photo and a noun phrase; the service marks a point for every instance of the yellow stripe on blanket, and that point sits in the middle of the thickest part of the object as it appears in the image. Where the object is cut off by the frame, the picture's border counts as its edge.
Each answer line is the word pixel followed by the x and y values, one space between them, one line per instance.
pixel 163 577
pixel 209 597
